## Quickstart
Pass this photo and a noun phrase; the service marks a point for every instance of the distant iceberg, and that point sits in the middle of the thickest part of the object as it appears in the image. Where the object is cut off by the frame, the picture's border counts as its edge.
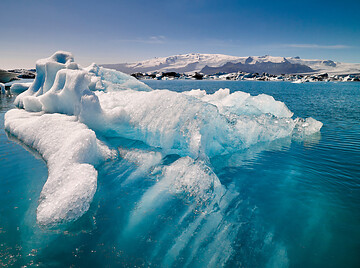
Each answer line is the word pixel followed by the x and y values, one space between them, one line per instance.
pixel 68 109
pixel 17 88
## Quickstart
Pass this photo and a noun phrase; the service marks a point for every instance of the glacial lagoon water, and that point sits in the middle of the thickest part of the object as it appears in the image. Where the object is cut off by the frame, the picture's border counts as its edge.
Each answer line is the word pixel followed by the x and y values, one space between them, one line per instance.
pixel 290 203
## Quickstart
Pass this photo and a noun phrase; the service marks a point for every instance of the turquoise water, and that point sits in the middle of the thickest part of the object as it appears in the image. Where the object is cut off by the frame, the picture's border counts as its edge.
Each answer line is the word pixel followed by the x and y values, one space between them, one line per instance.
pixel 291 203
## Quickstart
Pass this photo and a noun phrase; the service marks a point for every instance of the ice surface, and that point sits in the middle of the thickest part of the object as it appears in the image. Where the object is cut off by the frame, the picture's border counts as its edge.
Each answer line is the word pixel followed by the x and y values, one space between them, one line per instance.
pixel 183 124
pixel 17 88
pixel 71 150
pixel 242 103
pixel 66 104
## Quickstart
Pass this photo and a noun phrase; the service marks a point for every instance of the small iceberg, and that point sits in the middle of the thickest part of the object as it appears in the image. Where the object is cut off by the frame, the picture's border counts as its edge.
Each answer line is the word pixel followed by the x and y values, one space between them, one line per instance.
pixel 17 88
pixel 2 88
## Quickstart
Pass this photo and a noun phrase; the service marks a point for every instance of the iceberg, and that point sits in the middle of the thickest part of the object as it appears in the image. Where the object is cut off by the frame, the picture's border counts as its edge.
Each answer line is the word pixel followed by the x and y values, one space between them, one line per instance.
pixel 68 109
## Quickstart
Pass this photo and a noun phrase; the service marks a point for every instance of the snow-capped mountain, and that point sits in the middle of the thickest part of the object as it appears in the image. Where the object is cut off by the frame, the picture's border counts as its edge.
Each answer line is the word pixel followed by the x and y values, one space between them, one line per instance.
pixel 214 63
pixel 179 63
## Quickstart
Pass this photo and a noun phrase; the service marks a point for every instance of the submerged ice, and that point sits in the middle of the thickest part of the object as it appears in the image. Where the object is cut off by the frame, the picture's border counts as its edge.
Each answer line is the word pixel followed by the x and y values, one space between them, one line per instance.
pixel 67 109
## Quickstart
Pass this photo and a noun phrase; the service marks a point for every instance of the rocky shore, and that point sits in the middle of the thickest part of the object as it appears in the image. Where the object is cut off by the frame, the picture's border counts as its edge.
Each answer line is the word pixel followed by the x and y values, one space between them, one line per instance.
pixel 295 78
pixel 10 75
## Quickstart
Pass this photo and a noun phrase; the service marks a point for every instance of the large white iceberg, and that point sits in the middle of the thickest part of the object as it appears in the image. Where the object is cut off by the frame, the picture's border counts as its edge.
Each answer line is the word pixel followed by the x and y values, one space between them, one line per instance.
pixel 66 105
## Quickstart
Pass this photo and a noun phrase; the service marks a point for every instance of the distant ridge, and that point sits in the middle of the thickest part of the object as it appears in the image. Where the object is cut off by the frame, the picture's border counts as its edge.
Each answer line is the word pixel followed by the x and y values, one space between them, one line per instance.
pixel 215 63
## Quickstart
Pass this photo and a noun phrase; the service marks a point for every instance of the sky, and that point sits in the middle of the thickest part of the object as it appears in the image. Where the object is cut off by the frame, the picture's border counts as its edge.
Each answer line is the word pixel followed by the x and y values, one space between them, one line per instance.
pixel 109 31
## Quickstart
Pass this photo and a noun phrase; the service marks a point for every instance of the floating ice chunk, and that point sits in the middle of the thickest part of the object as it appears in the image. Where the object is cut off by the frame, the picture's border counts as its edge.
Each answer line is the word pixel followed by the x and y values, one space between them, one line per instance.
pixel 307 126
pixel 17 88
pixel 2 88
pixel 71 150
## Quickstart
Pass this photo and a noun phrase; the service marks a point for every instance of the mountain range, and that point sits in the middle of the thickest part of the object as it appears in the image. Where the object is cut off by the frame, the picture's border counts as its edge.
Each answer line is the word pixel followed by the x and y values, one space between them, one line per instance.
pixel 219 63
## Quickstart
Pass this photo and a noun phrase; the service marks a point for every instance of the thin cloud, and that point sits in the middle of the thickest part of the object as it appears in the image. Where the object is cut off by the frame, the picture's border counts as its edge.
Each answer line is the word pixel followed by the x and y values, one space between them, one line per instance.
pixel 312 46
pixel 156 39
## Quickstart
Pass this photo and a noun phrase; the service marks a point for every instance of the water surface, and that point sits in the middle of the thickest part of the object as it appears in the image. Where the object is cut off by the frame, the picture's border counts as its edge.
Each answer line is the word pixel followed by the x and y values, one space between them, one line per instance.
pixel 291 203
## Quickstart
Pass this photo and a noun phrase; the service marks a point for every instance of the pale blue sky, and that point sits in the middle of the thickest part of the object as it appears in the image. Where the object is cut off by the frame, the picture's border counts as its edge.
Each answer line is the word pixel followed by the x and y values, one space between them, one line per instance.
pixel 125 31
